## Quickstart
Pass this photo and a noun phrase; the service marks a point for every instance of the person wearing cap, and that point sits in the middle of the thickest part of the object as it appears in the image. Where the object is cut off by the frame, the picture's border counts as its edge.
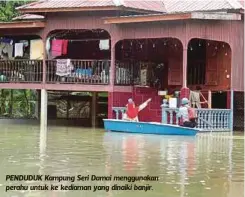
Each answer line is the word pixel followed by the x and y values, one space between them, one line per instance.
pixel 132 110
pixel 187 114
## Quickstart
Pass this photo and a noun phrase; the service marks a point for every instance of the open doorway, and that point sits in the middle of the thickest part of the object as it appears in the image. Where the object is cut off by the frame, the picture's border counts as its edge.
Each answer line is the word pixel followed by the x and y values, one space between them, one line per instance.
pixel 219 100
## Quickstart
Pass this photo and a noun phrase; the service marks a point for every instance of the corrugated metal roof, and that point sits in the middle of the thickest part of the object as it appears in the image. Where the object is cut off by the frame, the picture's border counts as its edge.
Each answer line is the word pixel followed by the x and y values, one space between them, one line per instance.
pixel 167 6
pixel 153 5
pixel 177 6
pixel 28 17
pixel 156 5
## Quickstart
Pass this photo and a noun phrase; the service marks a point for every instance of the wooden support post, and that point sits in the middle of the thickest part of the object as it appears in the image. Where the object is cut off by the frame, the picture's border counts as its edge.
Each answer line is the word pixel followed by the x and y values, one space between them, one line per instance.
pixel 209 99
pixel 113 64
pixel 112 78
pixel 94 109
pixel 44 109
pixel 185 51
pixel 44 62
pixel 232 110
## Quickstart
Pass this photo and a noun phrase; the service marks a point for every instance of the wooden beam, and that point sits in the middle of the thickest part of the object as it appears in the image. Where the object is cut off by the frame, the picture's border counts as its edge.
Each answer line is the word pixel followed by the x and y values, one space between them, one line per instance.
pixel 147 18
pixel 215 16
pixel 22 24
pixel 170 17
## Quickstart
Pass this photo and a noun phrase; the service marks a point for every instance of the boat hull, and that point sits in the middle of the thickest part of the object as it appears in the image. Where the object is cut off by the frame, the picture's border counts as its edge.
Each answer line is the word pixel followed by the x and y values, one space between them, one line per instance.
pixel 147 128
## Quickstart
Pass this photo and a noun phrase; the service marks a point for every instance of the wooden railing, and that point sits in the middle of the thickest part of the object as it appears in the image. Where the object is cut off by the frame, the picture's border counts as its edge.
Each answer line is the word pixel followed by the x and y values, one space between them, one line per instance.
pixel 21 71
pixel 208 119
pixel 80 72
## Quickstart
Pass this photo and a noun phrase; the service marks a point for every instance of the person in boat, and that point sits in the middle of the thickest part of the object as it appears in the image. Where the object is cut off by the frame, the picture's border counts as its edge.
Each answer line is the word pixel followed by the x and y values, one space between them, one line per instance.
pixel 132 110
pixel 187 114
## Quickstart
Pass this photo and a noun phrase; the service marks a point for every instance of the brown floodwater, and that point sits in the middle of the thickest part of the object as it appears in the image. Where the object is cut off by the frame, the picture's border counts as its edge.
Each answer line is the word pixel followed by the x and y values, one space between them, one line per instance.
pixel 210 164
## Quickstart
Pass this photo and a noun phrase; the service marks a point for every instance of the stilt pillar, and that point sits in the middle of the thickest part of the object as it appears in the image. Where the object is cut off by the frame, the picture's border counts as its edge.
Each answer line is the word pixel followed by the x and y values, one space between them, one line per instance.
pixel 44 114
pixel 94 109
pixel 232 111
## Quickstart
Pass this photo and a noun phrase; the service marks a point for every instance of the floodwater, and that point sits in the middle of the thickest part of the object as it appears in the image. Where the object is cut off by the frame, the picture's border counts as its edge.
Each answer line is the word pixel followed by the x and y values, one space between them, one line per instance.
pixel 206 165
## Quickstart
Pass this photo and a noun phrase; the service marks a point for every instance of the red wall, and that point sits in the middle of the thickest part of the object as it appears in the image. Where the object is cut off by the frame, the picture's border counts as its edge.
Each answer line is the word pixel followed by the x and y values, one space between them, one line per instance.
pixel 152 113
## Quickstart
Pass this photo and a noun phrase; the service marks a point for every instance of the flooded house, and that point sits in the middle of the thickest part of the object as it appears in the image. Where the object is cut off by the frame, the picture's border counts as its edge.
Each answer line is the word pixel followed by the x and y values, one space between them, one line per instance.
pixel 83 58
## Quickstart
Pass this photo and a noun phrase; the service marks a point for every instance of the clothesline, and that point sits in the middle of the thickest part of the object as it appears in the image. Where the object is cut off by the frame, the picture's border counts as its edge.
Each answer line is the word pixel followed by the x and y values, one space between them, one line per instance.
pixel 86 40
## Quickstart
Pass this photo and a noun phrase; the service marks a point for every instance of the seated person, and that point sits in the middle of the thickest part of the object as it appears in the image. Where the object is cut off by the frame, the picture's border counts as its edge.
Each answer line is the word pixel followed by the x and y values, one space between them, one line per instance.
pixel 187 114
pixel 132 111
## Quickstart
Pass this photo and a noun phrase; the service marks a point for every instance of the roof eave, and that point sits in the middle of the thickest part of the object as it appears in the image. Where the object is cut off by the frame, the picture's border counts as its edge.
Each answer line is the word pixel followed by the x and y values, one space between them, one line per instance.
pixel 172 17
pixel 80 9
pixel 147 18
pixel 22 24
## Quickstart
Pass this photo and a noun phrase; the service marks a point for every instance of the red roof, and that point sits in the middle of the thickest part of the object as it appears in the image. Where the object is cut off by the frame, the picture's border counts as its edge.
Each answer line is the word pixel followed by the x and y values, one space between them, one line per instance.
pixel 164 6
pixel 178 6
pixel 150 6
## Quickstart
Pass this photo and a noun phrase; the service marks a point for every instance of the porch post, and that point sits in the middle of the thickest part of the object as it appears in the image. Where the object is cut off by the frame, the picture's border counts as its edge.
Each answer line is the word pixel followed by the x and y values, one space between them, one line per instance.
pixel 112 79
pixel 44 114
pixel 112 67
pixel 185 51
pixel 44 61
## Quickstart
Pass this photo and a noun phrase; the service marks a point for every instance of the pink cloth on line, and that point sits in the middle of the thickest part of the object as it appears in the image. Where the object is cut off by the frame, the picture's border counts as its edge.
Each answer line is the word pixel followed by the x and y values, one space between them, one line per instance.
pixel 64 47
pixel 57 47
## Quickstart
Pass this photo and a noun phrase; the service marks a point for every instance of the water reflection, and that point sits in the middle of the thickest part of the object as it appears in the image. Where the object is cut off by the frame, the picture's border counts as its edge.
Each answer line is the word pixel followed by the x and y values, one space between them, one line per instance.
pixel 205 165
pixel 186 163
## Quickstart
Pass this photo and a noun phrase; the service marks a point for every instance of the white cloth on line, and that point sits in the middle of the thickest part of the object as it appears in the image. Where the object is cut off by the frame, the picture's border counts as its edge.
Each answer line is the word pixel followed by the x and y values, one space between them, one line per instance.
pixel 104 44
pixel 18 49
pixel 63 67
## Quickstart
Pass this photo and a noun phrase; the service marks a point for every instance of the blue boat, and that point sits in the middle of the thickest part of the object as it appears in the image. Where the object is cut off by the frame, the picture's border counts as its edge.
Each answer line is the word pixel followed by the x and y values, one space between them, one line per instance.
pixel 116 125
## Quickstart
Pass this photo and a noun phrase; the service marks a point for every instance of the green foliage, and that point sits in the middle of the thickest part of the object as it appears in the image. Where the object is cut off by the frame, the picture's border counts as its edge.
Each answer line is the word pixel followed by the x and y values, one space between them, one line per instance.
pixel 7 9
pixel 17 103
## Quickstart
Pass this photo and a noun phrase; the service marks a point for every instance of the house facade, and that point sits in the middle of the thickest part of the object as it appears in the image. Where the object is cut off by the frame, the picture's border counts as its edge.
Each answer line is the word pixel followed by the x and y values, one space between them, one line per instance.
pixel 129 50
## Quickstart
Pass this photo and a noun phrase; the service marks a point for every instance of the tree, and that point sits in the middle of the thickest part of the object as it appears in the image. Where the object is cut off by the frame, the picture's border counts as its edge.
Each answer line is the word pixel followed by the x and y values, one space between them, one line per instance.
pixel 7 9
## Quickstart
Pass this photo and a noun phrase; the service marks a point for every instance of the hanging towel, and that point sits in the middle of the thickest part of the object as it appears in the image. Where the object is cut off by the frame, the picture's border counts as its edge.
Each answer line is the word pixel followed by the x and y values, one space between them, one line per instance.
pixel 104 44
pixel 64 47
pixel 18 50
pixel 57 47
pixel 195 99
pixel 36 49
pixel 63 67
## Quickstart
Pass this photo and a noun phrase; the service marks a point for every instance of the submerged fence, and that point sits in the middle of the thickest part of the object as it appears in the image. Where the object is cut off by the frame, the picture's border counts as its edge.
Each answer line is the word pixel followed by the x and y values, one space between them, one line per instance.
pixel 208 119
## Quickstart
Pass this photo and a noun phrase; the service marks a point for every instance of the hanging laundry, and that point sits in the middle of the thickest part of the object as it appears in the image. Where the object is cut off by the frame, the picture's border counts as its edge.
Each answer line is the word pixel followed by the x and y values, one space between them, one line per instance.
pixel 63 67
pixel 195 99
pixel 18 50
pixel 64 47
pixel 47 45
pixel 36 49
pixel 104 44
pixel 6 40
pixel 57 47
pixel 25 43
